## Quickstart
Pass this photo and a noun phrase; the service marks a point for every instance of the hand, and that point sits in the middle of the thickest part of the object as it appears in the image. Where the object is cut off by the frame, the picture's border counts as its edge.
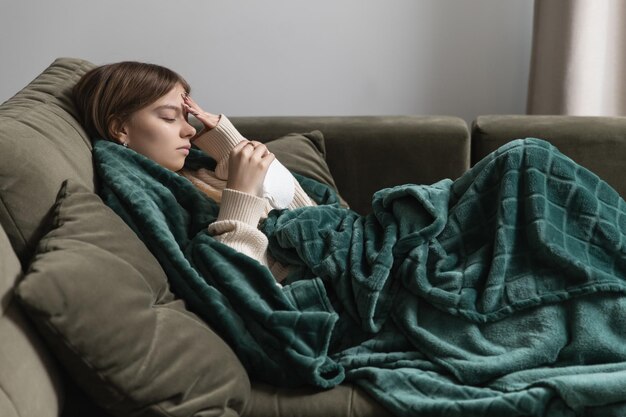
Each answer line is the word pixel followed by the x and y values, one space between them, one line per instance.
pixel 208 120
pixel 247 165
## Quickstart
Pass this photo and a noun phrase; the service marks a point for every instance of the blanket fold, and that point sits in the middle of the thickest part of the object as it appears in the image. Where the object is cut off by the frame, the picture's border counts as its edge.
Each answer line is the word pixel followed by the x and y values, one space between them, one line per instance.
pixel 477 246
pixel 501 292
pixel 235 294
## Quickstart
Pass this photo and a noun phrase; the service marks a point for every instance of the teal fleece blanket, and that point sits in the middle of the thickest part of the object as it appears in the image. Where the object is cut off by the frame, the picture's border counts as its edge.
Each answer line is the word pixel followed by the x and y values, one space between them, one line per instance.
pixel 500 293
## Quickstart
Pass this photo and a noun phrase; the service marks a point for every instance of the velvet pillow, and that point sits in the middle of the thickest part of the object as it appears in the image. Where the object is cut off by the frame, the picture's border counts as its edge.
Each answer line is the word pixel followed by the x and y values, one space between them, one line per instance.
pixel 305 153
pixel 102 302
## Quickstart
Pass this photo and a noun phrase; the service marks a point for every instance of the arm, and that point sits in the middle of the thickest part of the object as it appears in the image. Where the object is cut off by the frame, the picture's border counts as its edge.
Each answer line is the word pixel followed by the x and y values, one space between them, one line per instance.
pixel 245 165
pixel 218 140
pixel 236 227
pixel 236 224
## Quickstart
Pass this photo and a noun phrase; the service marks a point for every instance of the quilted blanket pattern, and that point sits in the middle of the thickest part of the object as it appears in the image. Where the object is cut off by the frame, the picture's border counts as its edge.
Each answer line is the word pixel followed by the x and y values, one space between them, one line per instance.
pixel 281 337
pixel 501 292
pixel 498 293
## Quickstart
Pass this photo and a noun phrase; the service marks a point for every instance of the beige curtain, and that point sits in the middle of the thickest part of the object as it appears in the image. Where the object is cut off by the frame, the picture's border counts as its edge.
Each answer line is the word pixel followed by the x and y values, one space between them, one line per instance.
pixel 578 64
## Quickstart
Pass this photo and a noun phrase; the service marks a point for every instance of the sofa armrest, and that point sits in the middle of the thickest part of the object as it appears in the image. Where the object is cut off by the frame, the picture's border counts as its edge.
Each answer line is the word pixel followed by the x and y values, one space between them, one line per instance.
pixel 597 143
pixel 368 153
pixel 28 371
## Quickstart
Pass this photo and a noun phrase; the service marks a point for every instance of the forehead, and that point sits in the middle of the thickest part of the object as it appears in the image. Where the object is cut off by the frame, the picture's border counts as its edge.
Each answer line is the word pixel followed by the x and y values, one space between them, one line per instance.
pixel 171 98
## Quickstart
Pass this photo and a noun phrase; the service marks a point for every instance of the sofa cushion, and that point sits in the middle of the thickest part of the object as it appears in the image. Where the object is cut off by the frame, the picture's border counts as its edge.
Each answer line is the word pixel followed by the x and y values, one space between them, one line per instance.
pixel 101 301
pixel 41 145
pixel 368 153
pixel 345 400
pixel 597 143
pixel 27 370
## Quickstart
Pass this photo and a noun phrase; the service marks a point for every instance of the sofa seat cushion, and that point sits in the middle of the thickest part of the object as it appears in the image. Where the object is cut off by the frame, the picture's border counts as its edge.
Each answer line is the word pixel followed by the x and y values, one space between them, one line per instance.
pixel 101 301
pixel 345 400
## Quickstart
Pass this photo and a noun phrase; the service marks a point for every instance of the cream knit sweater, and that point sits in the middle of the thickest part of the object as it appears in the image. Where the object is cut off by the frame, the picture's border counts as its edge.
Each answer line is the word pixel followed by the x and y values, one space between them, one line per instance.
pixel 240 213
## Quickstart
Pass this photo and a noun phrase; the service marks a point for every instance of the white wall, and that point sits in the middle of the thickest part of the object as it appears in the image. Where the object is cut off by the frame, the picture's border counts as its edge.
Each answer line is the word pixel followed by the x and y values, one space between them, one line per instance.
pixel 293 57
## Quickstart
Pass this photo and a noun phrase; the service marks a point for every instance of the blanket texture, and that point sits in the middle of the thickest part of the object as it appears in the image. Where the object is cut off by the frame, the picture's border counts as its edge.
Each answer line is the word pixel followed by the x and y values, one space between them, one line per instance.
pixel 500 293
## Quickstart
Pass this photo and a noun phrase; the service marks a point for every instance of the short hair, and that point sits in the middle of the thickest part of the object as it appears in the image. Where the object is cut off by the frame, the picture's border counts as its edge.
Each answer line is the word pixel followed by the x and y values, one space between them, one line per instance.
pixel 113 92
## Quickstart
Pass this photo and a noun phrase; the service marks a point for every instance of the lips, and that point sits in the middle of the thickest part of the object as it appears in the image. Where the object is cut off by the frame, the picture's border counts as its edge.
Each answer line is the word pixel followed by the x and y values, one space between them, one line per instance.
pixel 184 149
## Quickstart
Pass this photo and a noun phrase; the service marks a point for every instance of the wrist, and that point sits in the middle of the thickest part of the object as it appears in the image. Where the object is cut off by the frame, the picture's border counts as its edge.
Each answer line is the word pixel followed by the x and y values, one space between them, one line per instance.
pixel 212 120
pixel 242 187
pixel 219 141
pixel 239 206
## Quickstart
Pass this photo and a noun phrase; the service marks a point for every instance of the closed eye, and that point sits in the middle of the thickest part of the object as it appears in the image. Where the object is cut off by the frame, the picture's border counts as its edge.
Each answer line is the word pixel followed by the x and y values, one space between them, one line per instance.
pixel 165 110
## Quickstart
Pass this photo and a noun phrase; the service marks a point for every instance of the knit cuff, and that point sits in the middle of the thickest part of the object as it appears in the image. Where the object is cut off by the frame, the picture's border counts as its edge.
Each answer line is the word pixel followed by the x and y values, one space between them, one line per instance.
pixel 242 207
pixel 219 141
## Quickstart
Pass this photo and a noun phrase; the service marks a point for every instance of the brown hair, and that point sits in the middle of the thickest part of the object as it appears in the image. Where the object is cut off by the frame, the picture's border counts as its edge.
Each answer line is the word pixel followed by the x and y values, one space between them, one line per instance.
pixel 113 92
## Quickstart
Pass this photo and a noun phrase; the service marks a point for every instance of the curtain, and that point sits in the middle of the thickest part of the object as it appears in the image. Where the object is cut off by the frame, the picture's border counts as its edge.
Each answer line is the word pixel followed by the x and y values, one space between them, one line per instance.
pixel 578 63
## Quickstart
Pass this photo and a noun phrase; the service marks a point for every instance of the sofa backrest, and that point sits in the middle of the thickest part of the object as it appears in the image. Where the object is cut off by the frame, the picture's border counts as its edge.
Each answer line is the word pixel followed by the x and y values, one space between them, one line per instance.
pixel 42 145
pixel 368 153
pixel 596 143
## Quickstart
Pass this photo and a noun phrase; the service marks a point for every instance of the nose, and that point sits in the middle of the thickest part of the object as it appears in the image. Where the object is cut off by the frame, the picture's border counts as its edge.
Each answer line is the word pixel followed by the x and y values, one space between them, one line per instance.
pixel 188 131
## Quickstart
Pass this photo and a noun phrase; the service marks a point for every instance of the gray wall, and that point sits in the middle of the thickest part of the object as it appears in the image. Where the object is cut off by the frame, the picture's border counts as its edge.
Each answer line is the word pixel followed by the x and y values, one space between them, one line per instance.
pixel 290 57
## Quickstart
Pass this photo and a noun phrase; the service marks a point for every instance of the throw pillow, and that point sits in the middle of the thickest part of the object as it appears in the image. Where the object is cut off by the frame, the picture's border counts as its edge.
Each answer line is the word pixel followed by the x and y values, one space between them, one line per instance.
pixel 305 153
pixel 101 301
pixel 41 145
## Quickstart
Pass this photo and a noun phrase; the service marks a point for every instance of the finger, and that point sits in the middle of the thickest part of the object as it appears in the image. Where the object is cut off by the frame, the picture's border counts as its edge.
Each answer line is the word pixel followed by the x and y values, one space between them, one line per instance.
pixel 268 159
pixel 208 120
pixel 264 147
pixel 190 109
pixel 260 150
pixel 193 108
pixel 240 146
pixel 203 117
pixel 188 100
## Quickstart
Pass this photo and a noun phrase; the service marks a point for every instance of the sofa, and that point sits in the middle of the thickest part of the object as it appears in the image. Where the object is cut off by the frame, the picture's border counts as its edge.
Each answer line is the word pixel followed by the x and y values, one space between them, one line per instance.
pixel 84 305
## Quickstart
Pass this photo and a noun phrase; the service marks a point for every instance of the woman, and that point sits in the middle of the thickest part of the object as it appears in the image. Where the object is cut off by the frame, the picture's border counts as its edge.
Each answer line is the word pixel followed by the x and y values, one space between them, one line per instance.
pixel 501 292
pixel 145 107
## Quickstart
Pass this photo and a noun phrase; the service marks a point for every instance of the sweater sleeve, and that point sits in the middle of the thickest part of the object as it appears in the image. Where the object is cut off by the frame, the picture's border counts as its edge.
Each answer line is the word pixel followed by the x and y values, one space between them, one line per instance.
pixel 278 187
pixel 236 224
pixel 218 142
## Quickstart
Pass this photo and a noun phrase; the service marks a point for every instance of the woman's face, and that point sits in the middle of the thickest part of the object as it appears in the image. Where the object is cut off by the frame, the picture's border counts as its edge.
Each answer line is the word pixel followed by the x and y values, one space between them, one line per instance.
pixel 160 131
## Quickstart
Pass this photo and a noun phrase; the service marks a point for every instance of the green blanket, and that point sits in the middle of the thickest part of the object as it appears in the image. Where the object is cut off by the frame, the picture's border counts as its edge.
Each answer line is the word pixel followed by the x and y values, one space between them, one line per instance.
pixel 501 293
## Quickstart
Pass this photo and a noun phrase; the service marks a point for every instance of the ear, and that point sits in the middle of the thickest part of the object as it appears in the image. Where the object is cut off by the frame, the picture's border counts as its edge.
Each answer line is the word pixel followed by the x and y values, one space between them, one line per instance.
pixel 118 130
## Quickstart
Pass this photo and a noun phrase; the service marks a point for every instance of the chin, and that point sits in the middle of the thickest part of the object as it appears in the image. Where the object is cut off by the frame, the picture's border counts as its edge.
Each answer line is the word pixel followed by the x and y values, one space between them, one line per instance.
pixel 178 167
pixel 173 166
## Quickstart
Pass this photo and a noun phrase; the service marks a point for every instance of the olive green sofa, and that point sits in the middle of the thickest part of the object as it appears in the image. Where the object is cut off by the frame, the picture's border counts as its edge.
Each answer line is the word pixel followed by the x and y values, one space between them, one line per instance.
pixel 85 307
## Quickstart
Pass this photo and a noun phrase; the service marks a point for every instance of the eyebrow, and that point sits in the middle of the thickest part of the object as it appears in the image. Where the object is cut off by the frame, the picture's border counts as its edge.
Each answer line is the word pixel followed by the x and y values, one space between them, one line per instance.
pixel 178 109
